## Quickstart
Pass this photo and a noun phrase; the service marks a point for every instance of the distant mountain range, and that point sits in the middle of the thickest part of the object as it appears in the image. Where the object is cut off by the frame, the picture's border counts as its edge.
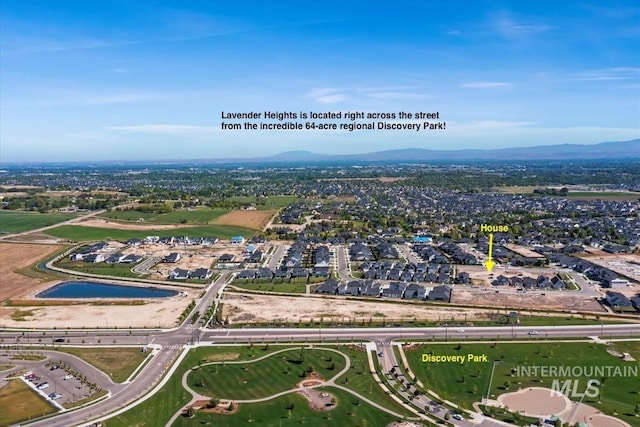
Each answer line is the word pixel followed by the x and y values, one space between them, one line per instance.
pixel 603 150
pixel 619 150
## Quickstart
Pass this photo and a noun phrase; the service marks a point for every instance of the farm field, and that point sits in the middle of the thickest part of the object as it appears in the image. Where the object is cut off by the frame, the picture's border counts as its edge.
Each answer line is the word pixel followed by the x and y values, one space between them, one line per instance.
pixel 269 203
pixel 468 382
pixel 182 216
pixel 18 222
pixel 19 403
pixel 18 256
pixel 79 233
pixel 256 220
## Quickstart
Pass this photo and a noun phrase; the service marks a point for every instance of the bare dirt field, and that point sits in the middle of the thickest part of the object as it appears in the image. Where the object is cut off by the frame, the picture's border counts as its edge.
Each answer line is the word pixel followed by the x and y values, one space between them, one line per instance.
pixel 105 223
pixel 266 308
pixel 154 313
pixel 15 286
pixel 255 220
pixel 550 300
pixel 626 264
pixel 14 257
pixel 521 250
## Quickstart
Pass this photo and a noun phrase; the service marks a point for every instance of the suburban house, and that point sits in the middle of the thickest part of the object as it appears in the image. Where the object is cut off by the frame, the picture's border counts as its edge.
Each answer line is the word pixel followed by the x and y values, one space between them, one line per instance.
pixel 237 240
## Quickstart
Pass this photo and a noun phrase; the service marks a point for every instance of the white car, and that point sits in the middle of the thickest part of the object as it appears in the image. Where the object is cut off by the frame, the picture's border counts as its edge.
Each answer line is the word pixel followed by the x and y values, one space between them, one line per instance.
pixel 457 417
pixel 42 386
pixel 460 330
pixel 68 377
pixel 533 332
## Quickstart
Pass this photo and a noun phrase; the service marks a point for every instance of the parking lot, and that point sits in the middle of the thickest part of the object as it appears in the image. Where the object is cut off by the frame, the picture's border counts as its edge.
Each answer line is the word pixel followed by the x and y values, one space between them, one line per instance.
pixel 50 378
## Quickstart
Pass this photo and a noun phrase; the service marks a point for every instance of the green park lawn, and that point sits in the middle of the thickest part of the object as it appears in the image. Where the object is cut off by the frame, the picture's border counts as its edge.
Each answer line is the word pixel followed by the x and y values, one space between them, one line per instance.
pixel 17 222
pixel 274 374
pixel 468 382
pixel 293 410
pixel 267 376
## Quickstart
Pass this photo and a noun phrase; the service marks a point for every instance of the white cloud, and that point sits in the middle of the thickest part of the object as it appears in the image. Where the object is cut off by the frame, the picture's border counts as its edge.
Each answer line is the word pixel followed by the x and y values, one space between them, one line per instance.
pixel 327 95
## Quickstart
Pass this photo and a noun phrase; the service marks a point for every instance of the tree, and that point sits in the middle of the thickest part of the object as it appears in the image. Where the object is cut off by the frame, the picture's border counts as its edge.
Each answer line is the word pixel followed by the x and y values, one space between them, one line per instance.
pixel 507 384
pixel 190 412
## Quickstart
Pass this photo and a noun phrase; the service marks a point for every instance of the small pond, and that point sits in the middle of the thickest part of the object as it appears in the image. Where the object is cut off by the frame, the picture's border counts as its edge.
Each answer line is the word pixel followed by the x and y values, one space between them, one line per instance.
pixel 80 289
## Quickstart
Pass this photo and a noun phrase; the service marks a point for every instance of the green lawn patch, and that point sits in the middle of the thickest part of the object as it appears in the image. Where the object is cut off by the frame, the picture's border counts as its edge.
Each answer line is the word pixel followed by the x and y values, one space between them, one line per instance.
pixel 118 363
pixel 279 372
pixel 103 269
pixel 19 402
pixel 467 382
pixel 17 222
pixel 293 410
pixel 360 380
pixel 79 233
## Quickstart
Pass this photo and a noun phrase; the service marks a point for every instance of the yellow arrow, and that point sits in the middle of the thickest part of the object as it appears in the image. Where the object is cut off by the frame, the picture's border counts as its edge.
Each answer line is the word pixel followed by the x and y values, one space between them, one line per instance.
pixel 489 263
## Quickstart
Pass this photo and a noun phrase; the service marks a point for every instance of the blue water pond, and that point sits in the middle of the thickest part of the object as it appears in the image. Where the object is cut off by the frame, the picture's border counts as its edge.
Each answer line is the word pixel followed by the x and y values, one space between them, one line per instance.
pixel 102 290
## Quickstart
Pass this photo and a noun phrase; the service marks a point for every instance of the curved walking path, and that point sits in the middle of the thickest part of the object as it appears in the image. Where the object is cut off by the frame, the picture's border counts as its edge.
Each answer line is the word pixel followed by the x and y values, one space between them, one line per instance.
pixel 329 383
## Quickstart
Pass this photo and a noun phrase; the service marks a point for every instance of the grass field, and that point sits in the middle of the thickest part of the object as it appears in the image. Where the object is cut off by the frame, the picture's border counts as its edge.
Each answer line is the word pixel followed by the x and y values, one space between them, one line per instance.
pixel 266 377
pixel 19 403
pixel 158 409
pixel 272 202
pixel 118 363
pixel 100 268
pixel 17 222
pixel 467 382
pixel 359 379
pixel 198 216
pixel 349 411
pixel 79 233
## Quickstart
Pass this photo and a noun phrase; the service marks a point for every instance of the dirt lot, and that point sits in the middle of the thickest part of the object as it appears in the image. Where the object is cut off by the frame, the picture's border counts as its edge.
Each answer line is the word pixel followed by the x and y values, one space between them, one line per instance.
pixel 266 308
pixel 521 250
pixel 163 313
pixel 16 286
pixel 14 257
pixel 551 300
pixel 255 220
pixel 626 264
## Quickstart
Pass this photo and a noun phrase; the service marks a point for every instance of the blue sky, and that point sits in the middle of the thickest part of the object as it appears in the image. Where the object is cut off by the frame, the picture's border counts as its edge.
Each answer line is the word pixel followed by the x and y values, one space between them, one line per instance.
pixel 124 80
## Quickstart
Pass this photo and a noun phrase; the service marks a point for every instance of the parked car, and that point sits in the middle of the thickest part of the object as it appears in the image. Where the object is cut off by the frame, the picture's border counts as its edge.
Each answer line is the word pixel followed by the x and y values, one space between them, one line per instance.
pixel 42 386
